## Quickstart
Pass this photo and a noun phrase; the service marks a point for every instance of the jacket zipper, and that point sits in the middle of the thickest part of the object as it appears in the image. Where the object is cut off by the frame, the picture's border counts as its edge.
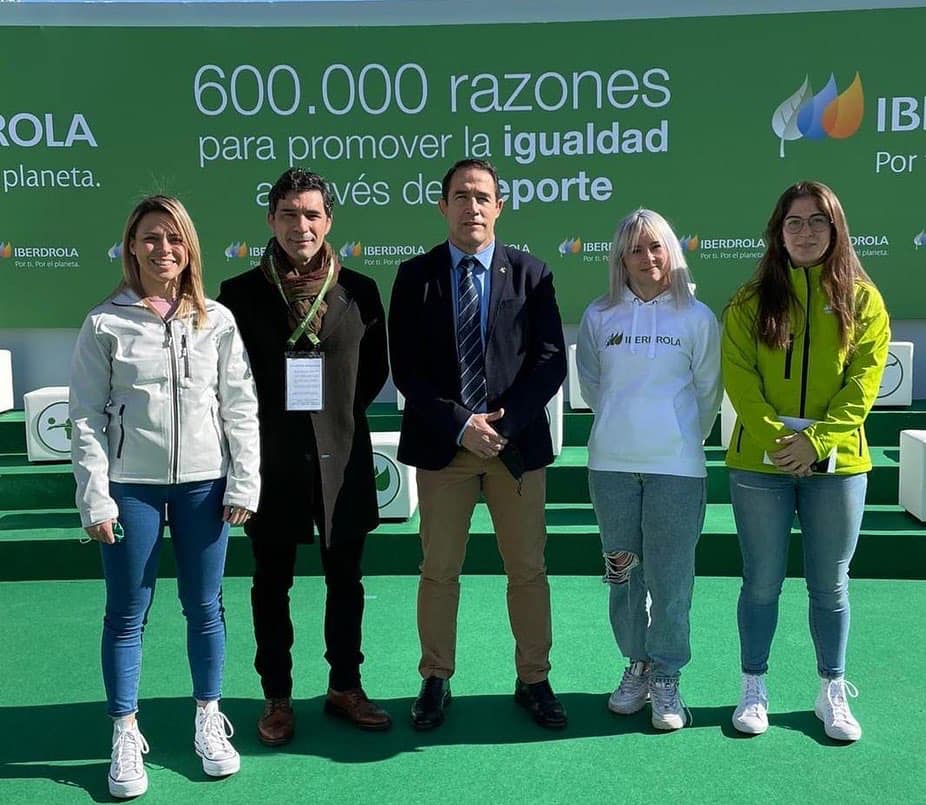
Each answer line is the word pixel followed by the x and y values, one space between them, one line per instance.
pixel 173 383
pixel 121 430
pixel 789 353
pixel 739 439
pixel 804 365
pixel 184 353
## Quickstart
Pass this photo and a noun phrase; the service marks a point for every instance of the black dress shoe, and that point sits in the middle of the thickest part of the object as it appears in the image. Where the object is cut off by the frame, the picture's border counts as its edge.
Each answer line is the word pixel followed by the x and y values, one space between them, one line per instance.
pixel 542 703
pixel 428 709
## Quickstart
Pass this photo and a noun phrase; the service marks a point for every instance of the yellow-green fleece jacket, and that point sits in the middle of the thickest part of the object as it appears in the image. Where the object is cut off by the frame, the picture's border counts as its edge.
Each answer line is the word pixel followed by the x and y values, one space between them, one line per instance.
pixel 815 378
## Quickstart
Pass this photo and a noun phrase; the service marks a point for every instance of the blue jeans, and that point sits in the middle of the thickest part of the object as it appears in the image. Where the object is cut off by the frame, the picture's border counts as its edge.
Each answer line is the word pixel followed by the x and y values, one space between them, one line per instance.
pixel 130 567
pixel 829 508
pixel 658 519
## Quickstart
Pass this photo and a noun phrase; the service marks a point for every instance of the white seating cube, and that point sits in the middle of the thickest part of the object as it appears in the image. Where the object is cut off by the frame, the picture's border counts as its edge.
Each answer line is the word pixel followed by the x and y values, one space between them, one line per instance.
pixel 48 424
pixel 396 489
pixel 6 380
pixel 727 421
pixel 554 411
pixel 913 472
pixel 897 381
pixel 576 403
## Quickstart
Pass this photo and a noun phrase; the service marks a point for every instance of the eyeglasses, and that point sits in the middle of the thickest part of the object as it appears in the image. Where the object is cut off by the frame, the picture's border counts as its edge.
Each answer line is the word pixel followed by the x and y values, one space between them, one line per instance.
pixel 817 223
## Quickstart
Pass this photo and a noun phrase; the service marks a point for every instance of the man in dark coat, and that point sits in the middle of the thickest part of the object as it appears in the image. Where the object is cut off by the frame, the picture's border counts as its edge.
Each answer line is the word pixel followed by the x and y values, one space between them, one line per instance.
pixel 316 337
pixel 477 349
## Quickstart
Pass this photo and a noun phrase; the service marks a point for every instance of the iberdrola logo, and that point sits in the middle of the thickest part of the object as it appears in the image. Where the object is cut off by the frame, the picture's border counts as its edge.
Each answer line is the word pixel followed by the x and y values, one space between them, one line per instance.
pixel 236 249
pixel 615 340
pixel 6 250
pixel 570 246
pixel 826 114
pixel 351 249
pixel 919 240
pixel 115 251
pixel 689 243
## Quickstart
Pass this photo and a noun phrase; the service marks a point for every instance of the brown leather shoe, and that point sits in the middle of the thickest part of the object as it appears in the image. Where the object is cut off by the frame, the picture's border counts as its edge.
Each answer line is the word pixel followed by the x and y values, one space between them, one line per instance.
pixel 278 723
pixel 354 706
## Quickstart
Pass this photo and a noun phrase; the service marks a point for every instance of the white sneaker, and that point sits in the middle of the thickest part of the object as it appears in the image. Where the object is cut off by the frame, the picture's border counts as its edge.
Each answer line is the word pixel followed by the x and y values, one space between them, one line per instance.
pixel 633 692
pixel 832 708
pixel 211 742
pixel 127 775
pixel 667 706
pixel 751 714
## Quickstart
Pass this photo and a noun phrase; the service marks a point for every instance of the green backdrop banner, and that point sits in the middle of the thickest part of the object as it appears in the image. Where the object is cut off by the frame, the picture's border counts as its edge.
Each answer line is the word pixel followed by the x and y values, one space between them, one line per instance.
pixel 704 119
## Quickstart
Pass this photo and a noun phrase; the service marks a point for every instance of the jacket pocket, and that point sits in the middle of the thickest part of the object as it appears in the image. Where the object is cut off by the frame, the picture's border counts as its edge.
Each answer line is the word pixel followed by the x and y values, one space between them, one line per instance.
pixel 642 429
pixel 121 445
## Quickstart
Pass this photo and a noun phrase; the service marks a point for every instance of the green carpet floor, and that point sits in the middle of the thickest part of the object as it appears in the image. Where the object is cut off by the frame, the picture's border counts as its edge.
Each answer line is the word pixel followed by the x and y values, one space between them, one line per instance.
pixel 54 735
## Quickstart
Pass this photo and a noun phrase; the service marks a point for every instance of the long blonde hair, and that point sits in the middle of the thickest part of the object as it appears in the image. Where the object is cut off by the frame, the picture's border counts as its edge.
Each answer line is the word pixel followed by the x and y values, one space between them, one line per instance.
pixel 191 300
pixel 628 233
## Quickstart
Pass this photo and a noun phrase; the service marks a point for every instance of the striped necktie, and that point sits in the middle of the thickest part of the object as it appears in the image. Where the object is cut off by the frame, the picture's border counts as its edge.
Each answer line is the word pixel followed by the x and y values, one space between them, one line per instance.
pixel 469 341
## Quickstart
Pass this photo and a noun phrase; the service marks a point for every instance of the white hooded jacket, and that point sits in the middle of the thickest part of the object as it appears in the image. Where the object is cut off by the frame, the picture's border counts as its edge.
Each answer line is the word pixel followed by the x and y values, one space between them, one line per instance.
pixel 157 402
pixel 651 373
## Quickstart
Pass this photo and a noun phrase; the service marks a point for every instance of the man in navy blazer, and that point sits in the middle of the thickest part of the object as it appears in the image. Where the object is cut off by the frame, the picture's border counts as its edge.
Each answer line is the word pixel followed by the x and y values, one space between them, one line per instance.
pixel 476 344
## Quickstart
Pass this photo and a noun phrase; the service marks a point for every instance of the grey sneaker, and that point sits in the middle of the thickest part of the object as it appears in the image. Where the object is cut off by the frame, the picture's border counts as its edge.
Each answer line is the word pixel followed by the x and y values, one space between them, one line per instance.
pixel 127 775
pixel 667 706
pixel 633 692
pixel 211 742
pixel 832 708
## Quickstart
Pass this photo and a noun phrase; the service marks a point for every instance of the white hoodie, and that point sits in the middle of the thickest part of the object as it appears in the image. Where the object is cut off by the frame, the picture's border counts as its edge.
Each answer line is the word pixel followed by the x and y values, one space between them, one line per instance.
pixel 651 373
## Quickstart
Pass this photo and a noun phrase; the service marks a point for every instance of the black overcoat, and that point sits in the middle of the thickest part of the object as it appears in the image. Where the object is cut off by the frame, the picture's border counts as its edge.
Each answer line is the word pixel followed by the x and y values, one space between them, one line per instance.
pixel 335 442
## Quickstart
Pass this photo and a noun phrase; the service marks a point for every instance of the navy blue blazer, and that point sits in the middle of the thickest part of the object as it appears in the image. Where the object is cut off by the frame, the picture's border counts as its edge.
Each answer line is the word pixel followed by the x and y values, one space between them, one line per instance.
pixel 525 358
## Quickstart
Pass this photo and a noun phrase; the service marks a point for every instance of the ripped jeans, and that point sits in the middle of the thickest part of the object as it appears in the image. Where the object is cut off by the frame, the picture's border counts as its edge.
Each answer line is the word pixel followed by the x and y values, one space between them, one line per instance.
pixel 657 519
pixel 830 509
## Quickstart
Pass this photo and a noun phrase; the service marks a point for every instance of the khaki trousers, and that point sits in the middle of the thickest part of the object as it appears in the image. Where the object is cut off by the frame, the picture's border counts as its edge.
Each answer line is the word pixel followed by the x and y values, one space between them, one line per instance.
pixel 446 499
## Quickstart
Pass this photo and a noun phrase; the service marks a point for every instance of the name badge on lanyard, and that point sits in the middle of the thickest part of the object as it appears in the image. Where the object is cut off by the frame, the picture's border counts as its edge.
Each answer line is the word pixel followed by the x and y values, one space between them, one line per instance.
pixel 305 381
pixel 305 371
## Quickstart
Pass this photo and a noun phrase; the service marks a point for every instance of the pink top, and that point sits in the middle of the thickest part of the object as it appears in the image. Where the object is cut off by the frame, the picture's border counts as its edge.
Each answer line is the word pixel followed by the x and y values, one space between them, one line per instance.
pixel 164 307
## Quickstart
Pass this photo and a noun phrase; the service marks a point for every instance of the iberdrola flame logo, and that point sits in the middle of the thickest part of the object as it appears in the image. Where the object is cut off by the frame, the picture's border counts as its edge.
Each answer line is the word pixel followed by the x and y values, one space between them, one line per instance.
pixel 826 114
pixel 919 240
pixel 236 249
pixel 570 246
pixel 689 243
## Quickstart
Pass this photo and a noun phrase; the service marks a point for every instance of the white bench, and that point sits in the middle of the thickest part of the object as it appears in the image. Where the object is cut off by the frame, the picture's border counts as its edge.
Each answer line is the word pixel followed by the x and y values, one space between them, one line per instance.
pixel 576 401
pixel 897 380
pixel 48 424
pixel 727 421
pixel 396 487
pixel 912 495
pixel 6 380
pixel 554 410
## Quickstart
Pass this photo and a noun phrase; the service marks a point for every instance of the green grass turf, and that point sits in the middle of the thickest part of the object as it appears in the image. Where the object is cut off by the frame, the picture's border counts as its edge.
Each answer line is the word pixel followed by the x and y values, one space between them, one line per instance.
pixel 54 735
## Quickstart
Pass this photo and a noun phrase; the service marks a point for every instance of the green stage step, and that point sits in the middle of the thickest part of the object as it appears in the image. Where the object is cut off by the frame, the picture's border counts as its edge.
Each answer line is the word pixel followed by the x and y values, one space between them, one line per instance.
pixel 39 528
pixel 47 486
pixel 45 544
pixel 882 428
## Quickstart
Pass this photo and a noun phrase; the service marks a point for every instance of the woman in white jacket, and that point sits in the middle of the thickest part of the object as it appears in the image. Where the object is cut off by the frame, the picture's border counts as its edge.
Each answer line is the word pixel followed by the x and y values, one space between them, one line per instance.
pixel 164 429
pixel 648 358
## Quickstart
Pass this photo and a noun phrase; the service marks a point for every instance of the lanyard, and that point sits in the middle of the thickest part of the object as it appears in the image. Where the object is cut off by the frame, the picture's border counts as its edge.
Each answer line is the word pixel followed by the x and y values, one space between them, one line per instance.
pixel 297 333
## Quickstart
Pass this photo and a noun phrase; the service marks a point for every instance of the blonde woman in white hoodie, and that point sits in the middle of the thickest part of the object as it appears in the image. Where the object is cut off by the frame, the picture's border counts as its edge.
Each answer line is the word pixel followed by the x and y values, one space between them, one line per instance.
pixel 649 366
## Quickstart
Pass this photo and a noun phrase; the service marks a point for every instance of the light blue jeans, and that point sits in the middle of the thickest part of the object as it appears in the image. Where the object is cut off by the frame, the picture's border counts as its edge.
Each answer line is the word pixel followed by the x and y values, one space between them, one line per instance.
pixel 830 509
pixel 130 568
pixel 658 519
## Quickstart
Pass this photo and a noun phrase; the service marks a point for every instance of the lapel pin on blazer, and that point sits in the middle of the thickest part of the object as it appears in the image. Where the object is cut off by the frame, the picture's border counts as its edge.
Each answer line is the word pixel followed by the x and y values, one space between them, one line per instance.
pixel 503 269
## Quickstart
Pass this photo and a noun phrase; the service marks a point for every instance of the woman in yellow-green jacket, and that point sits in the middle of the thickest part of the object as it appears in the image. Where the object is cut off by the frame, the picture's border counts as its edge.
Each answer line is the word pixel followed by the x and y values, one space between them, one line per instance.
pixel 803 350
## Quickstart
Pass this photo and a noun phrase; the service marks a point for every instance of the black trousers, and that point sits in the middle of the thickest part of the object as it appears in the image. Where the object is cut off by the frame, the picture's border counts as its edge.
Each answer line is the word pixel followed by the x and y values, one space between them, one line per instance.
pixel 275 561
